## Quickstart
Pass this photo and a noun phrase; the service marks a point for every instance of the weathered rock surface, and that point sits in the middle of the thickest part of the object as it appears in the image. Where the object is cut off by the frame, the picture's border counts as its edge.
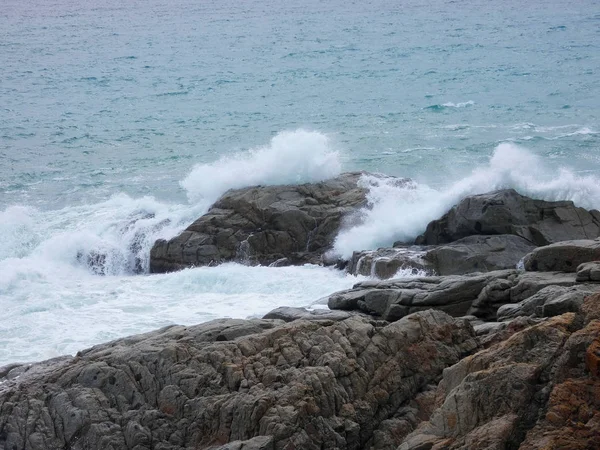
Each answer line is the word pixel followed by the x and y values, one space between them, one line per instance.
pixel 563 256
pixel 547 302
pixel 479 294
pixel 508 212
pixel 288 314
pixel 234 384
pixel 386 262
pixel 393 299
pixel 538 389
pixel 264 225
pixel 589 271
pixel 478 254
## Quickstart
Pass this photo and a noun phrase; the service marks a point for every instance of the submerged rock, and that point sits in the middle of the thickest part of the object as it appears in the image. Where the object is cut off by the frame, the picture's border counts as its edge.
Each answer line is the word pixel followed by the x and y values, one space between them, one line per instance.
pixel 508 212
pixel 563 256
pixel 265 225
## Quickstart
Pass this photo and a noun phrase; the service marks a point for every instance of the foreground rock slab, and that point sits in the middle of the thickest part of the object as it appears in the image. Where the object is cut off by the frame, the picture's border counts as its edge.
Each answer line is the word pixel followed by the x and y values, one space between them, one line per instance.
pixel 265 225
pixel 508 212
pixel 234 384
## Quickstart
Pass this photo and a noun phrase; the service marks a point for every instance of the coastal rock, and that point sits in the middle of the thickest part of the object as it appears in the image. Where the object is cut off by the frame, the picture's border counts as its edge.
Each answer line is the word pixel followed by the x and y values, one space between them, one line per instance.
pixel 393 299
pixel 288 314
pixel 479 294
pixel 563 256
pixel 478 254
pixel 387 262
pixel 508 212
pixel 534 390
pixel 348 384
pixel 549 301
pixel 264 225
pixel 589 271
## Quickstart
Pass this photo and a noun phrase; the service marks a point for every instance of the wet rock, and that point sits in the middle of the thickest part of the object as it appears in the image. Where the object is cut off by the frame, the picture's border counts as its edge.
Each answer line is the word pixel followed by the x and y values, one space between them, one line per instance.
pixel 385 263
pixel 348 384
pixel 265 225
pixel 478 254
pixel 589 271
pixel 564 256
pixel 508 212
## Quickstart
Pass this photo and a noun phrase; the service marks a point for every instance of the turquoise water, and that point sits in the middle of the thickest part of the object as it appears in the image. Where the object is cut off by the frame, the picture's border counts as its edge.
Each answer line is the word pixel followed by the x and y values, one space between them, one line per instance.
pixel 128 96
pixel 120 122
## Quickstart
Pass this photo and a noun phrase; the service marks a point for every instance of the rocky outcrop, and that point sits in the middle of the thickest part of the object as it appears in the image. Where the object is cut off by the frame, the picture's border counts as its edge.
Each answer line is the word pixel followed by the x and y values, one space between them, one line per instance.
pixel 508 212
pixel 264 225
pixel 563 256
pixel 479 294
pixel 234 384
pixel 538 389
pixel 478 254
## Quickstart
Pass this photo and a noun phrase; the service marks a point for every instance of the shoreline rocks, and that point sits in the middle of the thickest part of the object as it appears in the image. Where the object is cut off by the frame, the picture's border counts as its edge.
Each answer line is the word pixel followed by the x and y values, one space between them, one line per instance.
pixel 282 225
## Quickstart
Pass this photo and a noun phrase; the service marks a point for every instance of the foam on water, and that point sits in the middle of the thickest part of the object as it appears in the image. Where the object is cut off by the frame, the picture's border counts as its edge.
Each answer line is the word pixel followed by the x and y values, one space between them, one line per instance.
pixel 401 211
pixel 55 302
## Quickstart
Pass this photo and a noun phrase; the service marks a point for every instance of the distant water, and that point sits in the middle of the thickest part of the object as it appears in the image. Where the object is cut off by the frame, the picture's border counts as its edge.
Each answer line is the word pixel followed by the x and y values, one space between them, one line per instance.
pixel 121 122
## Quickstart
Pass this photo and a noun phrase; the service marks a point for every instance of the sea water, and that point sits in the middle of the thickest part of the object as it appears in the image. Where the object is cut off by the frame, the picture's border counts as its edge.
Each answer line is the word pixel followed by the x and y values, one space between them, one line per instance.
pixel 121 122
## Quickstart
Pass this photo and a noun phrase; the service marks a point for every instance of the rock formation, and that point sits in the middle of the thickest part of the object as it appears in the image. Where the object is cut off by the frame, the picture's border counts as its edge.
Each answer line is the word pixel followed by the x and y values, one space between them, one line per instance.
pixel 508 212
pixel 265 225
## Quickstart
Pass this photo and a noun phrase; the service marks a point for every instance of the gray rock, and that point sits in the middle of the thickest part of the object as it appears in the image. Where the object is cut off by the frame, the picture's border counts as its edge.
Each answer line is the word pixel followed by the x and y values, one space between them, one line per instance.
pixel 589 271
pixel 563 256
pixel 478 254
pixel 279 225
pixel 393 299
pixel 508 212
pixel 288 314
pixel 348 384
pixel 549 301
pixel 386 262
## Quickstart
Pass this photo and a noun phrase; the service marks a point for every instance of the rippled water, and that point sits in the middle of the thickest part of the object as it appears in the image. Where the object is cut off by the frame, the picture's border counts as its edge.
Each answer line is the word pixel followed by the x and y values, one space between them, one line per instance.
pixel 121 121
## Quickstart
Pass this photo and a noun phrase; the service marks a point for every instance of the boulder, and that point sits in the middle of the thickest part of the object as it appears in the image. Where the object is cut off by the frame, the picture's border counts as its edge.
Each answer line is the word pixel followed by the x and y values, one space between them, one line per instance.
pixel 478 254
pixel 508 212
pixel 385 263
pixel 589 271
pixel 564 256
pixel 264 225
pixel 348 384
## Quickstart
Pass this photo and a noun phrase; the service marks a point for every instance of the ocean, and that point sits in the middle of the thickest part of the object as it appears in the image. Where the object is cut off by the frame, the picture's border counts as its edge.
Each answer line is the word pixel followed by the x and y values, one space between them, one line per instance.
pixel 121 122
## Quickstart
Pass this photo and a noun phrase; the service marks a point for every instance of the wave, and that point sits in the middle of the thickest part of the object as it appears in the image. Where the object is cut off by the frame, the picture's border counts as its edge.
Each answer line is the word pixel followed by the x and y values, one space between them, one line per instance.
pixel 114 237
pixel 292 157
pixel 400 212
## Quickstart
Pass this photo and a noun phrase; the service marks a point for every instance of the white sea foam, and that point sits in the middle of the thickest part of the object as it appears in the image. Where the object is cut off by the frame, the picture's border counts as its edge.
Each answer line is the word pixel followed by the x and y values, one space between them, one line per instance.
pixel 459 104
pixel 291 157
pixel 401 211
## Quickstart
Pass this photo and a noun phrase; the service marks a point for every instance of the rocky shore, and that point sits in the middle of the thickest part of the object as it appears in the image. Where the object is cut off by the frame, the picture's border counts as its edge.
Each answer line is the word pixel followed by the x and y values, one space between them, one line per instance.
pixel 492 343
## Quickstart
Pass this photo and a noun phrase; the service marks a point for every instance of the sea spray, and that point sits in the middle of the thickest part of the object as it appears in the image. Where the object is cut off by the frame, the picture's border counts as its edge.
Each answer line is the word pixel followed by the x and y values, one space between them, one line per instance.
pixel 401 211
pixel 292 157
